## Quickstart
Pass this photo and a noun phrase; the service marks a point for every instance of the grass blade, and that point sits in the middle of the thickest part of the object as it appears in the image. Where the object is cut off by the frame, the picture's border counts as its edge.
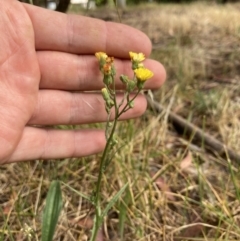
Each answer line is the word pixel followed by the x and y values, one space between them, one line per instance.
pixel 123 212
pixel 114 199
pixel 79 193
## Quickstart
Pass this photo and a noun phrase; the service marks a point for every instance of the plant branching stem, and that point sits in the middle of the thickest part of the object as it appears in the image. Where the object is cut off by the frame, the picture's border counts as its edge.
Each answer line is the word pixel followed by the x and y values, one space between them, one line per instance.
pixel 125 107
pixel 103 160
pixel 97 199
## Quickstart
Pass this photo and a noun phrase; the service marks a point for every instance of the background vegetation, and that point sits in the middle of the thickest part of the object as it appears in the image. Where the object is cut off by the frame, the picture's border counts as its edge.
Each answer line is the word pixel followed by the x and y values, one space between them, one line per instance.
pixel 180 189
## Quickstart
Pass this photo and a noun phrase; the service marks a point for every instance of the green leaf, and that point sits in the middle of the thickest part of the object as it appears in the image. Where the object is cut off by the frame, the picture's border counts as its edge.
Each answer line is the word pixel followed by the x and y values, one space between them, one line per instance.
pixel 113 200
pixel 79 193
pixel 125 203
pixel 52 211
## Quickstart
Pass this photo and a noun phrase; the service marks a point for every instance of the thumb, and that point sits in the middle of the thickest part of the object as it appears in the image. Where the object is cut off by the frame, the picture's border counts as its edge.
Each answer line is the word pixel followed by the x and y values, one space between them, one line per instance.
pixel 19 74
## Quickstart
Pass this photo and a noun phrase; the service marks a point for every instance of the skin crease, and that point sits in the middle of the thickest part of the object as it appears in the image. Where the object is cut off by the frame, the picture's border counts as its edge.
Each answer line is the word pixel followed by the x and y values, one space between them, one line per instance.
pixel 46 59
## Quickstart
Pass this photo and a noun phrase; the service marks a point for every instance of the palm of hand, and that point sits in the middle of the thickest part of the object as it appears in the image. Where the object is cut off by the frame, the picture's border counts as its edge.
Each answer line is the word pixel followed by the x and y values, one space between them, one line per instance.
pixel 19 75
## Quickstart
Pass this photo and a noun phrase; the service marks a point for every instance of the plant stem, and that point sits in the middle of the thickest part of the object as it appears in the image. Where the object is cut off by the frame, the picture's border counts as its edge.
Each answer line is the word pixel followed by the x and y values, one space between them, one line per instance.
pixel 125 107
pixel 97 198
pixel 103 161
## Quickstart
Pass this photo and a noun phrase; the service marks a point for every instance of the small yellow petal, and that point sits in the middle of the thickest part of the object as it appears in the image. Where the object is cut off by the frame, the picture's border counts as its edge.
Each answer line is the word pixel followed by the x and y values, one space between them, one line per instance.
pixel 138 57
pixel 143 74
pixel 132 54
pixel 101 55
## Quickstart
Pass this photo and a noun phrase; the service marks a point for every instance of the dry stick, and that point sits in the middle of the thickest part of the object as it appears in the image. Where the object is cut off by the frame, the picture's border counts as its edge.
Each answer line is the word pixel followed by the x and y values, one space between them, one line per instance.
pixel 199 134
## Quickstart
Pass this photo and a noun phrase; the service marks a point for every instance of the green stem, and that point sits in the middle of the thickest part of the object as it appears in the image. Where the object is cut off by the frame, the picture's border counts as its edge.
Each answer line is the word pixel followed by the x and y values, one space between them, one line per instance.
pixel 125 107
pixel 97 198
pixel 107 125
pixel 96 224
pixel 98 189
pixel 103 160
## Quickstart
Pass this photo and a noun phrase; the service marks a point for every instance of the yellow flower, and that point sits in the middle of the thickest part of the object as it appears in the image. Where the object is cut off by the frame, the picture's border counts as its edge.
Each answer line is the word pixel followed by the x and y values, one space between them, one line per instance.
pixel 143 74
pixel 137 57
pixel 101 55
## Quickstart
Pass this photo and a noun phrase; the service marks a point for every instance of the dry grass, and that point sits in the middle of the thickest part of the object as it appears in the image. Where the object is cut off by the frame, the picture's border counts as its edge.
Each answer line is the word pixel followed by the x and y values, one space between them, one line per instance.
pixel 194 194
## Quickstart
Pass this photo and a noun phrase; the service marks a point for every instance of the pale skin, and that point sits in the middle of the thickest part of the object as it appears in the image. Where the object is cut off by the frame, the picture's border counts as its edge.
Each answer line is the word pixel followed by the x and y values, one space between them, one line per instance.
pixel 46 62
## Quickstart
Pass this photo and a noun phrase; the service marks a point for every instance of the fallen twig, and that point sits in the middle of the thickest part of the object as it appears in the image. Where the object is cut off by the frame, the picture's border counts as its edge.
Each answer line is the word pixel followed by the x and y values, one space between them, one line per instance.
pixel 198 134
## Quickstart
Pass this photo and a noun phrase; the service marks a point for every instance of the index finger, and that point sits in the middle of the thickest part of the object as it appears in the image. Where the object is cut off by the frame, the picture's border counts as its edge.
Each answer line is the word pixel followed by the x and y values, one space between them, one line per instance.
pixel 83 35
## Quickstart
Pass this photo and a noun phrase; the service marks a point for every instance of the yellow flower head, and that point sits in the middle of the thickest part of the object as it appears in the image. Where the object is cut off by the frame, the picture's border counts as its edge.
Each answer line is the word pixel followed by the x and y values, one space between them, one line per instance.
pixel 101 55
pixel 137 57
pixel 143 74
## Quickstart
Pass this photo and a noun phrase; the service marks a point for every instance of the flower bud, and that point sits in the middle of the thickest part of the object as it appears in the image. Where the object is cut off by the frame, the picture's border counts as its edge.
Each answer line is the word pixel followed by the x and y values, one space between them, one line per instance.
pixel 110 103
pixel 107 80
pixel 131 104
pixel 105 94
pixel 124 79
pixel 107 69
pixel 131 85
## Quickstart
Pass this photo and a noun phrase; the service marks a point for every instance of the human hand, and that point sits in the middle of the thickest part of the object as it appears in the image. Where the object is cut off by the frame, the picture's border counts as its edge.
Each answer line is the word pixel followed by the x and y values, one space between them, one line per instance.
pixel 46 62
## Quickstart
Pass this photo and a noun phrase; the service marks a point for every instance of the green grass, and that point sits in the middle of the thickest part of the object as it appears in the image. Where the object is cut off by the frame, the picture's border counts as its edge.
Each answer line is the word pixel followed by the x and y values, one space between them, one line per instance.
pixel 202 61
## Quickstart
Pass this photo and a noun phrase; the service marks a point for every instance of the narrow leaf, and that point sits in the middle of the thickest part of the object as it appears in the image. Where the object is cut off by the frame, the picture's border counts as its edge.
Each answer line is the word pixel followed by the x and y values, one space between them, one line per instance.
pixel 79 193
pixel 113 200
pixel 52 211
pixel 123 211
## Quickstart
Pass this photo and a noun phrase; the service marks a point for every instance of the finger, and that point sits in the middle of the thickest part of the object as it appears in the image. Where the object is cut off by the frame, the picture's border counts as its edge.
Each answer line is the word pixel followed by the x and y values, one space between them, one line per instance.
pixel 39 143
pixel 72 72
pixel 59 107
pixel 79 34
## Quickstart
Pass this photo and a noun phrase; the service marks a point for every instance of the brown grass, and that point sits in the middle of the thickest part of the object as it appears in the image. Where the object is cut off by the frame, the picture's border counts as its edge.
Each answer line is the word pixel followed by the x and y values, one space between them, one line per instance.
pixel 194 194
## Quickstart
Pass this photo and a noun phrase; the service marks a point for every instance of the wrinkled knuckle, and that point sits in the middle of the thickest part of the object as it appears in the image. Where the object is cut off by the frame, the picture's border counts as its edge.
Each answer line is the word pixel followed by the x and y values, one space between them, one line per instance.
pixel 70 31
pixel 74 109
